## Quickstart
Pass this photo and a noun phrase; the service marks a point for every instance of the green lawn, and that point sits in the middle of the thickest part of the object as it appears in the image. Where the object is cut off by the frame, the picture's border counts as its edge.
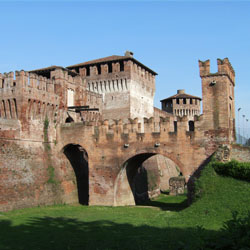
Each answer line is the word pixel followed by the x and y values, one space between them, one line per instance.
pixel 167 223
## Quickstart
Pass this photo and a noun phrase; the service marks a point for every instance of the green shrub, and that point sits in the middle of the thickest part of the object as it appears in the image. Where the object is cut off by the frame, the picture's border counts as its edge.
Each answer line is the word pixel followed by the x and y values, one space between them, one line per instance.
pixel 235 169
pixel 235 234
pixel 202 185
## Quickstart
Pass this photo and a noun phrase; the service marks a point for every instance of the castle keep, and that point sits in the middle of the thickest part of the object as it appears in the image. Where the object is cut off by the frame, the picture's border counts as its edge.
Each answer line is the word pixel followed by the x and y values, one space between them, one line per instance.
pixel 80 133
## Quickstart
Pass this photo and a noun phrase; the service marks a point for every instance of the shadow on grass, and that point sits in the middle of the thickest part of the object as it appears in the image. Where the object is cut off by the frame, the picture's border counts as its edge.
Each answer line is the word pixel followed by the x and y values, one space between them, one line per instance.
pixel 63 233
pixel 166 204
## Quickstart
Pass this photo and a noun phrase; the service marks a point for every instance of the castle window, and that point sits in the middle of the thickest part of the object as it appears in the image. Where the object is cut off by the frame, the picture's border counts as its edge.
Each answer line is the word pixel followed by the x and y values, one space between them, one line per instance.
pixel 191 125
pixel 191 101
pixel 184 101
pixel 15 105
pixel 110 67
pixel 195 101
pixel 175 126
pixel 98 69
pixel 177 101
pixel 121 66
pixel 87 71
pixel 4 109
pixel 10 108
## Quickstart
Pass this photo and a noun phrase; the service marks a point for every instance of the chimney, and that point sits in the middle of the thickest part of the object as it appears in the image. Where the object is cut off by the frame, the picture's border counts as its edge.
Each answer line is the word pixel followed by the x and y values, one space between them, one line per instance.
pixel 129 53
pixel 181 91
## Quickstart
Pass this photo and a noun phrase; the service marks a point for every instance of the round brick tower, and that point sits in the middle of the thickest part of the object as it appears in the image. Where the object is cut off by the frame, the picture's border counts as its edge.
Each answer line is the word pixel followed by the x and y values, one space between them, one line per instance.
pixel 182 104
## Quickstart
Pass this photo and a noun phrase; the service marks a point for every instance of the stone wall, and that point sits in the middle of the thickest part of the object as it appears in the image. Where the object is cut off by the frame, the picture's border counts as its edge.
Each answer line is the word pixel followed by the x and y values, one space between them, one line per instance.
pixel 240 153
pixel 159 170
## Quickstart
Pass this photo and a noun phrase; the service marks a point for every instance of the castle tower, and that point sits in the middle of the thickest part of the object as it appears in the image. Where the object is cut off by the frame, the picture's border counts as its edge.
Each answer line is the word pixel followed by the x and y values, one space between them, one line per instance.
pixel 218 97
pixel 182 104
pixel 126 85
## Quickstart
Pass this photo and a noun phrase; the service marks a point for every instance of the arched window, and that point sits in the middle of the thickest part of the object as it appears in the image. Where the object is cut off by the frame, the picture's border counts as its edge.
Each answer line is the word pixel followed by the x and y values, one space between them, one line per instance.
pixel 191 125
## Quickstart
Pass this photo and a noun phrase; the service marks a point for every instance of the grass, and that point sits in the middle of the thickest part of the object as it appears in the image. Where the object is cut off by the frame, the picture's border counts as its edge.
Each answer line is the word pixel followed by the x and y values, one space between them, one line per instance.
pixel 167 222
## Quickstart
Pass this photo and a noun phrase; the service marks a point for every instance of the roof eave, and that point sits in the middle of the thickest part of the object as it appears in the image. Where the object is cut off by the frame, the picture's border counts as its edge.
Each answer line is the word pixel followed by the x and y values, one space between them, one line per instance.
pixel 118 59
pixel 175 97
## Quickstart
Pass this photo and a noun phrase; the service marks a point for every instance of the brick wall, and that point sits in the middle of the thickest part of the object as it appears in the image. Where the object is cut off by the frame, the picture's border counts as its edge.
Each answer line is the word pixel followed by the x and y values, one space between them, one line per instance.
pixel 240 153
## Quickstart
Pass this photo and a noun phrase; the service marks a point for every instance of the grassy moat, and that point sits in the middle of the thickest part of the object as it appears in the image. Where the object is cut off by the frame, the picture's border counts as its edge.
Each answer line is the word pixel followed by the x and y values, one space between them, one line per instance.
pixel 167 223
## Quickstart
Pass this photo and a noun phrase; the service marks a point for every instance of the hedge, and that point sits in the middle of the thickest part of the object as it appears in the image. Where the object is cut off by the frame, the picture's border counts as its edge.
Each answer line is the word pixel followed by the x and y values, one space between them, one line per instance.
pixel 235 169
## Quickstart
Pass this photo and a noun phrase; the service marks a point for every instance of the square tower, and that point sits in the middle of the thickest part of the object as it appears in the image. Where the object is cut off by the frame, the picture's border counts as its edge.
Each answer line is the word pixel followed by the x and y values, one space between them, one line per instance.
pixel 218 97
pixel 126 85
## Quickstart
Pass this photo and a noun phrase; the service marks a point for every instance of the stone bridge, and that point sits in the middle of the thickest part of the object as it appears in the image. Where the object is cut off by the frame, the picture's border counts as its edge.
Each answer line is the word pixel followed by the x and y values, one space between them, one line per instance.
pixel 114 150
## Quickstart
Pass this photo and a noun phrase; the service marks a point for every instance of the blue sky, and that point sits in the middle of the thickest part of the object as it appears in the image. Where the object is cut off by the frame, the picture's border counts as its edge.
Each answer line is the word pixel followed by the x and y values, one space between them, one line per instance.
pixel 167 36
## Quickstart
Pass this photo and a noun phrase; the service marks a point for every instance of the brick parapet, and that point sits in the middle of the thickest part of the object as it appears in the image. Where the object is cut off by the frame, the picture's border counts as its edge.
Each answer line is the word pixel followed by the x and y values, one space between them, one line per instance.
pixel 28 92
pixel 115 128
pixel 224 69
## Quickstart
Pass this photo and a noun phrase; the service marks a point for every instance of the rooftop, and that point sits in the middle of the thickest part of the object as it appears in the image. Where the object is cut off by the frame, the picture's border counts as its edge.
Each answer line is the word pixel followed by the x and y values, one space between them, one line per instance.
pixel 128 56
pixel 180 95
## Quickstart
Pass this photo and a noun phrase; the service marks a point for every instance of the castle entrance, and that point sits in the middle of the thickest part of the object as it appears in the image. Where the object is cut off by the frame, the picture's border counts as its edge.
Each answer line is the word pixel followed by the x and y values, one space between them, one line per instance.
pixel 78 159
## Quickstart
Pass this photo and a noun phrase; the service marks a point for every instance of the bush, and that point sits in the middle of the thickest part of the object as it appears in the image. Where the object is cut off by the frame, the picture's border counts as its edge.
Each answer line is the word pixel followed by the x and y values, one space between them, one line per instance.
pixel 235 234
pixel 235 169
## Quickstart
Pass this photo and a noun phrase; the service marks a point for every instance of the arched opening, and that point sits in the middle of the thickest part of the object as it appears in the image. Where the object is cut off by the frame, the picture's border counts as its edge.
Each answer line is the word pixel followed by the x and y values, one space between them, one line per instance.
pixel 191 125
pixel 78 159
pixel 143 177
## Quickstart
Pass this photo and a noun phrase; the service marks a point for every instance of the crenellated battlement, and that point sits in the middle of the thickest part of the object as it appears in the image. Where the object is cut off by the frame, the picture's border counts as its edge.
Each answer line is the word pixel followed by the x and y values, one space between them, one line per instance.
pixel 224 68
pixel 204 67
pixel 111 69
pixel 120 72
pixel 130 126
pixel 28 80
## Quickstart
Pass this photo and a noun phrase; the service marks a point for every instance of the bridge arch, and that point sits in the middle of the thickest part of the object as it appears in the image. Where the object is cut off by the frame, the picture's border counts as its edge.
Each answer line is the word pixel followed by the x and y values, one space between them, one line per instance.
pixel 78 158
pixel 126 183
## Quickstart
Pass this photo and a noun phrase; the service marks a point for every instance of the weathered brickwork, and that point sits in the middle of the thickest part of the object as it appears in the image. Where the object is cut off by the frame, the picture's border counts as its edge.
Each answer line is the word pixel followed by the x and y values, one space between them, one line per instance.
pixel 182 104
pixel 176 185
pixel 240 153
pixel 126 86
pixel 46 158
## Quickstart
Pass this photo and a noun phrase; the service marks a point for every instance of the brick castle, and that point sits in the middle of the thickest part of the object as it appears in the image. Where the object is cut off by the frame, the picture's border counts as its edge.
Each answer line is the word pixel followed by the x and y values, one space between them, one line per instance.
pixel 89 132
